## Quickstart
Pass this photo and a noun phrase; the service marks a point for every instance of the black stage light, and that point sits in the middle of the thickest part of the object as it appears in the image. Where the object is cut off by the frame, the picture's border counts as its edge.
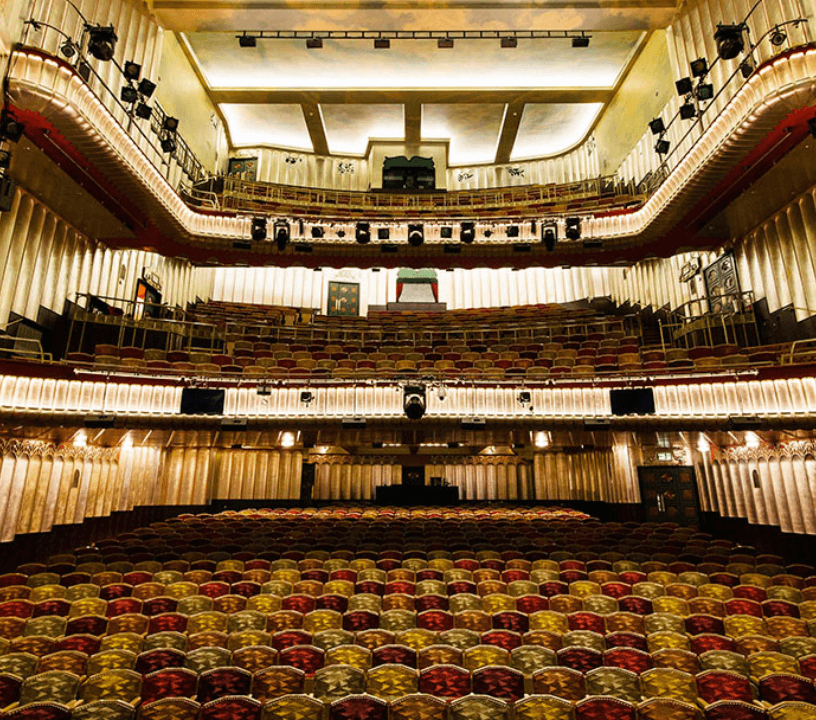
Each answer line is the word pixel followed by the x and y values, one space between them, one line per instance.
pixel 129 94
pixel 747 68
pixel 146 87
pixel 443 43
pixel 778 37
pixel 573 228
pixel 314 43
pixel 684 86
pixel 132 70
pixel 416 235
pixel 688 111
pixel 512 231
pixel 525 397
pixel 662 147
pixel 170 123
pixel 549 235
pixel 282 234
pixel 259 229
pixel 68 49
pixel 247 41
pixel 699 67
pixel 509 42
pixel 306 397
pixel 10 127
pixel 488 233
pixel 413 402
pixel 362 233
pixel 446 232
pixel 729 41
pixel 102 42
pixel 5 159
pixel 705 91
pixel 580 42
pixel 467 232
pixel 383 233
pixel 168 144
pixel 84 70
pixel 382 44
pixel 657 126
pixel 145 112
pixel 317 232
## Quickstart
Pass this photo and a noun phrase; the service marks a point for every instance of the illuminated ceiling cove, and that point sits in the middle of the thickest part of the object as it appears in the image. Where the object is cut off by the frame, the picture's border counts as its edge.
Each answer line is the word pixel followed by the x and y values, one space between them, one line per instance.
pixel 471 94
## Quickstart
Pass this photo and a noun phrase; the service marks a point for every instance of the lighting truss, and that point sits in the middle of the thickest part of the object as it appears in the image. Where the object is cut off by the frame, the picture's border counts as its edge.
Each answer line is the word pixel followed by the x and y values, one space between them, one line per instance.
pixel 413 34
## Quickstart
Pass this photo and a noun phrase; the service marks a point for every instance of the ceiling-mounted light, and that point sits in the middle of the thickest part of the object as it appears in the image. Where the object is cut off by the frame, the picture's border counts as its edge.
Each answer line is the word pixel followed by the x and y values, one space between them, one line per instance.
pixel 778 36
pixel 168 144
pixel 416 235
pixel 580 42
pixel 662 147
pixel 684 86
pixel 509 42
pixel 129 94
pixel 747 67
pixel 282 234
pixel 467 232
pixel 287 440
pixel 68 49
pixel 688 111
pixel 704 91
pixel 382 43
pixel 657 126
pixel 247 41
pixel 699 67
pixel 573 228
pixel 729 41
pixel 542 439
pixel 146 87
pixel 306 397
pixel 314 43
pixel 549 234
pixel 413 401
pixel 170 124
pixel 317 232
pixel 258 231
pixel 132 70
pixel 444 43
pixel 362 233
pixel 102 42
pixel 143 111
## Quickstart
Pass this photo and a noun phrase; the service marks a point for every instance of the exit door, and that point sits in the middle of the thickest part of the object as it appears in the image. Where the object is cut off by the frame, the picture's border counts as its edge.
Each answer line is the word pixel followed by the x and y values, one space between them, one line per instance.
pixel 669 493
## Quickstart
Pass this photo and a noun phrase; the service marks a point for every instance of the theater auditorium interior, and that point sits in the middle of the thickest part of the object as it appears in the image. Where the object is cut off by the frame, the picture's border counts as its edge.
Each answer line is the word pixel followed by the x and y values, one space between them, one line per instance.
pixel 408 360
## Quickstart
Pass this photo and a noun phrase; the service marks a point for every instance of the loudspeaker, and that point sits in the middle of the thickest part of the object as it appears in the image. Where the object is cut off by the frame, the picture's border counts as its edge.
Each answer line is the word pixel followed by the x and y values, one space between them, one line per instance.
pixel 635 401
pixel 474 423
pixel 744 422
pixel 99 421
pixel 599 424
pixel 7 190
pixel 241 245
pixel 354 423
pixel 236 424
pixel 199 401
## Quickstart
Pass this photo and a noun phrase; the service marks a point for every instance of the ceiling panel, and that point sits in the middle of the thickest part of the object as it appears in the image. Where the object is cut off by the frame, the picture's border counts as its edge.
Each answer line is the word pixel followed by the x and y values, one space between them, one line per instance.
pixel 473 130
pixel 279 125
pixel 349 127
pixel 551 128
pixel 413 64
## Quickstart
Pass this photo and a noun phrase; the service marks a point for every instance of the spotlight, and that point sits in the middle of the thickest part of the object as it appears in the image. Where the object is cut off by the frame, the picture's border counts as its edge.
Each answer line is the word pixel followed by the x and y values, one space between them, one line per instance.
pixel 580 42
pixel 258 229
pixel 512 231
pixel 382 43
pixel 699 67
pixel 684 86
pixel 68 49
pixel 170 124
pixel 5 159
pixel 168 144
pixel 306 397
pixel 778 37
pixel 102 42
pixel 747 68
pixel 282 234
pixel 314 43
pixel 132 70
pixel 145 112
pixel 509 42
pixel 129 94
pixel 446 232
pixel 662 147
pixel 10 128
pixel 317 232
pixel 488 233
pixel 573 229
pixel 524 397
pixel 444 43
pixel 688 111
pixel 247 41
pixel 549 235
pixel 416 235
pixel 146 87
pixel 341 233
pixel 657 126
pixel 467 232
pixel 383 233
pixel 362 233
pixel 413 401
pixel 705 91
pixel 84 70
pixel 729 41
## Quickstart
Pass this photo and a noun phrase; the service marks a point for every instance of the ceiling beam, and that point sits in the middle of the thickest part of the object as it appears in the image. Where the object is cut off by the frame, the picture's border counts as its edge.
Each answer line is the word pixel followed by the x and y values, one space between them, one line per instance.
pixel 264 96
pixel 314 123
pixel 509 131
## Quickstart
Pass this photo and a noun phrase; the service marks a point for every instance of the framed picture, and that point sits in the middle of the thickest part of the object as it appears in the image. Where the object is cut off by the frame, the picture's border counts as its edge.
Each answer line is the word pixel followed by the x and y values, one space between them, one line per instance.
pixel 243 168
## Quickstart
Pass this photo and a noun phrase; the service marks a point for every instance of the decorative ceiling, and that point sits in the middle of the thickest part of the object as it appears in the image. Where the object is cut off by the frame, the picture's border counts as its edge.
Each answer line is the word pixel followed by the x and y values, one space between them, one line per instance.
pixel 492 104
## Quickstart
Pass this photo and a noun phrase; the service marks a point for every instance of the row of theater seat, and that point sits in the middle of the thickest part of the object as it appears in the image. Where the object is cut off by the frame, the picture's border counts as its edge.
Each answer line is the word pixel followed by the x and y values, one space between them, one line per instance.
pixel 483 613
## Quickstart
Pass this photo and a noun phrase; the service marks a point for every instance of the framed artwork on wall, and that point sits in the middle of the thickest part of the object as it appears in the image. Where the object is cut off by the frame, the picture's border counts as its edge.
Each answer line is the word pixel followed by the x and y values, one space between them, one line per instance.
pixel 243 168
pixel 344 299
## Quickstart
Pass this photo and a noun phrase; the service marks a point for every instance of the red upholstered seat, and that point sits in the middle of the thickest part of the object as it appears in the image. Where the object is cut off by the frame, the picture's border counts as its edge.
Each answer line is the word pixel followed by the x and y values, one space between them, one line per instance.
pixel 603 707
pixel 221 682
pixel 358 707
pixel 628 658
pixel 231 708
pixel 501 682
pixel 734 710
pixel 580 658
pixel 304 657
pixel 154 660
pixel 394 654
pixel 447 681
pixel 779 687
pixel 171 682
pixel 714 685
